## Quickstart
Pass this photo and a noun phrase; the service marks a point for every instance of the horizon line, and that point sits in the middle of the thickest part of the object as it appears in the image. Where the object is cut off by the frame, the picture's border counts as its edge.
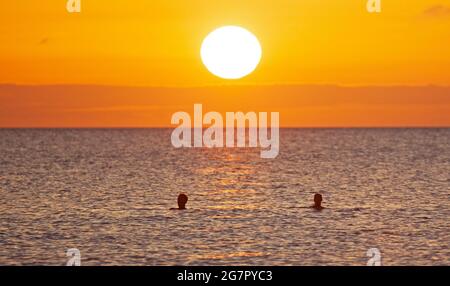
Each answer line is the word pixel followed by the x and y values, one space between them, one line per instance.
pixel 205 127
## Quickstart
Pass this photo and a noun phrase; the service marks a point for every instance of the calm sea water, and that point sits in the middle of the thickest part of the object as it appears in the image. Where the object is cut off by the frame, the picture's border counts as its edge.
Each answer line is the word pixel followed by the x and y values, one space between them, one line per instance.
pixel 108 193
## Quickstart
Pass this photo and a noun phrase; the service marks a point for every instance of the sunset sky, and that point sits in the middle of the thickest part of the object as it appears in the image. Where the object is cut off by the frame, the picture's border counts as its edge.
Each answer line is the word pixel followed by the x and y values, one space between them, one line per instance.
pixel 324 63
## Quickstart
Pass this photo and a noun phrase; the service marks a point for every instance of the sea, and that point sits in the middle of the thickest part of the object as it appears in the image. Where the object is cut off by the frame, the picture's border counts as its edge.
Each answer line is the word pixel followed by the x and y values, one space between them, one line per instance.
pixel 108 193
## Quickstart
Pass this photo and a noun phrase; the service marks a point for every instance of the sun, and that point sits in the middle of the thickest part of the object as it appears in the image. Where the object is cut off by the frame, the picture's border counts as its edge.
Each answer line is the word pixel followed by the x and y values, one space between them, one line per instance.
pixel 231 52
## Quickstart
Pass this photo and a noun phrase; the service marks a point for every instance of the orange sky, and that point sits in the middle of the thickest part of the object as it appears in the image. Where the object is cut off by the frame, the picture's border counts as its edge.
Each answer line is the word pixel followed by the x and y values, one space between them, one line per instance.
pixel 156 44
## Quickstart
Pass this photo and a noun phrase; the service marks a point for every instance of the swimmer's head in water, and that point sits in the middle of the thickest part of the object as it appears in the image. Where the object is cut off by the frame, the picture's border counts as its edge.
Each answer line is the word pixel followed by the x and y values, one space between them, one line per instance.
pixel 182 200
pixel 317 199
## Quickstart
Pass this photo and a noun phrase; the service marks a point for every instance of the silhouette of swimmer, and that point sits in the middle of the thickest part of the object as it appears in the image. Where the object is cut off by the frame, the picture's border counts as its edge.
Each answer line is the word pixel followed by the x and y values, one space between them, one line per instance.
pixel 182 200
pixel 317 202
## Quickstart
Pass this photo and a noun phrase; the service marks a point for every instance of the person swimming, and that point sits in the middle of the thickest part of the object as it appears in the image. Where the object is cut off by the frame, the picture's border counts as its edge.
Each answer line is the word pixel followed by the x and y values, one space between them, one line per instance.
pixel 317 202
pixel 182 200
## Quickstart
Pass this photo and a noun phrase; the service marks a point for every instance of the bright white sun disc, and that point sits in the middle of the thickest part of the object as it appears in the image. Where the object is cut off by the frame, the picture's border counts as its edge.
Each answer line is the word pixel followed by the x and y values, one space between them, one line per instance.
pixel 231 52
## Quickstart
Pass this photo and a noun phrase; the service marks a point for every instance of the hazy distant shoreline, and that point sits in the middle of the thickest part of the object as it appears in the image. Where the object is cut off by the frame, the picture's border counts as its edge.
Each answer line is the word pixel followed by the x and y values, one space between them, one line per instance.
pixel 310 106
